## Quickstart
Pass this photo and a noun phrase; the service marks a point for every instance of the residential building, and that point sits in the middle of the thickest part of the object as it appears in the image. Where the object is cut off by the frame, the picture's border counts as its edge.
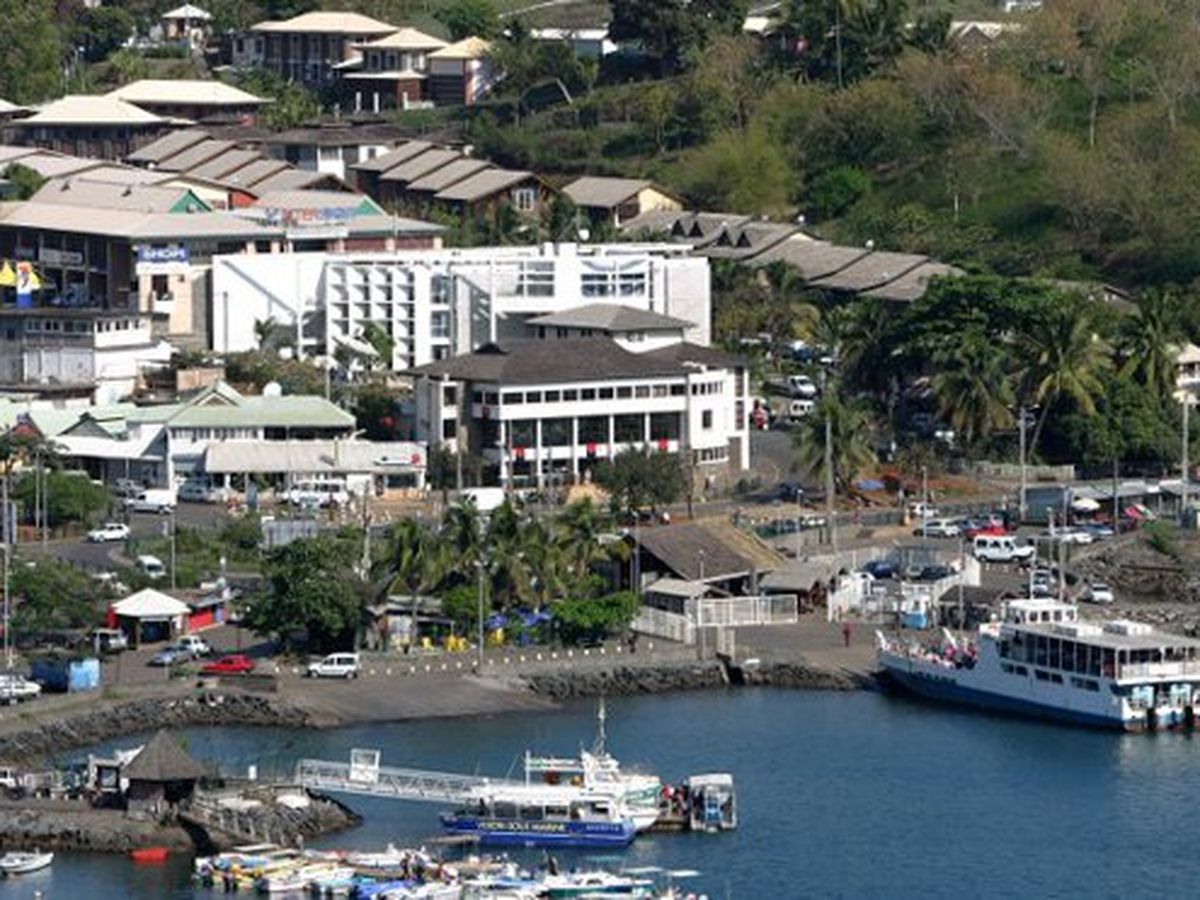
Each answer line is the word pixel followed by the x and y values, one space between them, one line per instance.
pixel 148 248
pixel 189 25
pixel 461 74
pixel 440 303
pixel 390 470
pixel 333 147
pixel 617 200
pixel 101 354
pixel 307 48
pixel 391 72
pixel 586 43
pixel 155 445
pixel 192 99
pixel 550 410
pixel 100 127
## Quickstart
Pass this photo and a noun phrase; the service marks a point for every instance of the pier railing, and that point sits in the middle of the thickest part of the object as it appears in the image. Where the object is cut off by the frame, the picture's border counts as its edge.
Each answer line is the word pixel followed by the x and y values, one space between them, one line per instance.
pixel 364 775
pixel 1174 669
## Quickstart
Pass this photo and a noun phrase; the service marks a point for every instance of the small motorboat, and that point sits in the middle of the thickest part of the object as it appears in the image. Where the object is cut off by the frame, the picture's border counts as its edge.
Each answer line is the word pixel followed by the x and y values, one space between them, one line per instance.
pixel 16 863
pixel 149 854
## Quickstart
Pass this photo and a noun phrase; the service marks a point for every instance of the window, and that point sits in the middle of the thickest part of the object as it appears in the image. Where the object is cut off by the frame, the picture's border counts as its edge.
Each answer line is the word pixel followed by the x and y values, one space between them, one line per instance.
pixel 533 397
pixel 678 390
pixel 595 284
pixel 525 199
pixel 642 391
pixel 665 426
pixel 439 324
pixel 624 393
pixel 606 393
pixel 629 429
pixel 593 430
pixel 570 395
pixel 536 279
pixel 491 398
pixel 449 395
pixel 522 432
pixel 556 432
pixel 706 419
pixel 513 398
pixel 587 394
pixel 553 396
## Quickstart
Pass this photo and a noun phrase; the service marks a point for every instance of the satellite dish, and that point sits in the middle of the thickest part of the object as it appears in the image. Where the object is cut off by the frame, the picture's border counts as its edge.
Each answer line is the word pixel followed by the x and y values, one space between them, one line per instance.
pixel 272 389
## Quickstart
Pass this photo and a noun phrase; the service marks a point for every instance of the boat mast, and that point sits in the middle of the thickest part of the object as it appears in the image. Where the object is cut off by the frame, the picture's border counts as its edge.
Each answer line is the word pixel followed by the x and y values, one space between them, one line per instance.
pixel 598 748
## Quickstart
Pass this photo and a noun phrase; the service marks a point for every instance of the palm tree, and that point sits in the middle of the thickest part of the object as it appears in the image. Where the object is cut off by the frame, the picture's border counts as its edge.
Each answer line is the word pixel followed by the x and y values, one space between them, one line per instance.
pixel 1066 358
pixel 463 532
pixel 1149 340
pixel 580 527
pixel 973 390
pixel 850 440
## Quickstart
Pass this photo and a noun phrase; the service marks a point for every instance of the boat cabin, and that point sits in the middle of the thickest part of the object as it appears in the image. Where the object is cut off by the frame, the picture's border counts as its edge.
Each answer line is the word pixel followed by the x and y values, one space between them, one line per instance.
pixel 1025 612
pixel 544 807
pixel 712 804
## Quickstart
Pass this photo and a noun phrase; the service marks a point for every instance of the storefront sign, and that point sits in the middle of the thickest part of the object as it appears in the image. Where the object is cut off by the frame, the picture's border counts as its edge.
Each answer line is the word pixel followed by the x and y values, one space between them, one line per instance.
pixel 52 257
pixel 172 259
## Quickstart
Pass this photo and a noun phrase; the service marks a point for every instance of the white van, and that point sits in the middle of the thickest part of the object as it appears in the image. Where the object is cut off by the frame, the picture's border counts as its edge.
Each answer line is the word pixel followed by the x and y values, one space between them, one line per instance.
pixel 151 566
pixel 152 500
pixel 318 492
pixel 1001 548
pixel 799 409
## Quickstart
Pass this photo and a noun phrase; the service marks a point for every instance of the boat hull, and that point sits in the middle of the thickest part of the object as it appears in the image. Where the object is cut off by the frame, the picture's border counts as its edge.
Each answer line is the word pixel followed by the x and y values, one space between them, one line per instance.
pixel 506 833
pixel 948 691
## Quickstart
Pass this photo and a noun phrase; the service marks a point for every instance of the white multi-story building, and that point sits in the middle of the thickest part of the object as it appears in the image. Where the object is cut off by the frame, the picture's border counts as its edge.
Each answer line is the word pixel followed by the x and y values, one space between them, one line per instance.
pixel 435 304
pixel 549 410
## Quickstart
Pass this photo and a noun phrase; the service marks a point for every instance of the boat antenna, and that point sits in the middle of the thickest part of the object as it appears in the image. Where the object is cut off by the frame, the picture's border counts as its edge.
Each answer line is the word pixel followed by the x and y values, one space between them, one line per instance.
pixel 601 736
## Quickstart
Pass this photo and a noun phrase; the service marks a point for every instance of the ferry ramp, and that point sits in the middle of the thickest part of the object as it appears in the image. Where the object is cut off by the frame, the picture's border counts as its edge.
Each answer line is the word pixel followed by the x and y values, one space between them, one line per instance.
pixel 364 775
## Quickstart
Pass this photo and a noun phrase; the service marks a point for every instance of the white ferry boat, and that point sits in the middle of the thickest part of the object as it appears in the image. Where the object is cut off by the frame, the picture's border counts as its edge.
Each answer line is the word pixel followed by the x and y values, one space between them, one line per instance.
pixel 544 816
pixel 1040 660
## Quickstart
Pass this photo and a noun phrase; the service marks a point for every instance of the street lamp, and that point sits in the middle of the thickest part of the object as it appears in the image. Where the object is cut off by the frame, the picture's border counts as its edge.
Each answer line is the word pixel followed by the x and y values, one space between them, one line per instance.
pixel 479 612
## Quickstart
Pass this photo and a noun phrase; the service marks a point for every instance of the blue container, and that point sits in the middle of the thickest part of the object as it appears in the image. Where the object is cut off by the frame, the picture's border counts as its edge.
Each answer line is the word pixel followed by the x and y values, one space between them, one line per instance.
pixel 83 675
pixel 916 620
pixel 67 675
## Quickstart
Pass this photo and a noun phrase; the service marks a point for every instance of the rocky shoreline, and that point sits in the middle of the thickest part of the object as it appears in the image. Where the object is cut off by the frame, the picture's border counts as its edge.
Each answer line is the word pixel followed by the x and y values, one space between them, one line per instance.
pixel 625 681
pixel 53 736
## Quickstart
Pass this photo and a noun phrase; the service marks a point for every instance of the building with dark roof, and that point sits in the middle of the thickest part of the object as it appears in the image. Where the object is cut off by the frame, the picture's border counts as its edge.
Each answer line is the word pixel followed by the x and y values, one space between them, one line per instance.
pixel 161 775
pixel 550 410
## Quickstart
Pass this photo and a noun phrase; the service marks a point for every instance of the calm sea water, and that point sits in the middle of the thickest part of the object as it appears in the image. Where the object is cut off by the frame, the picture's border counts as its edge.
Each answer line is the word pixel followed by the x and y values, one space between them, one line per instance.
pixel 841 795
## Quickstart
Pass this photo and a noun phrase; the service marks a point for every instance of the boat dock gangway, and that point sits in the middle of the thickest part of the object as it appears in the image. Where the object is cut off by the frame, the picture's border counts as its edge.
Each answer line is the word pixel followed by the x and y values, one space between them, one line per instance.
pixel 364 775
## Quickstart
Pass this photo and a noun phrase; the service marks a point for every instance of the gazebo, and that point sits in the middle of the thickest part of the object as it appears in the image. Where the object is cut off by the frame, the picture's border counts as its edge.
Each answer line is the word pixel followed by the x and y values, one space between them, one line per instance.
pixel 149 615
pixel 187 23
pixel 161 775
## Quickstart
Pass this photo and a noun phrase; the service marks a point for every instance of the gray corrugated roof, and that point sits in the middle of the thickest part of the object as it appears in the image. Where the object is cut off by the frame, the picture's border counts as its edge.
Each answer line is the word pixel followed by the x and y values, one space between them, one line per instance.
pixel 220 166
pixel 265 457
pixel 483 184
pixel 685 352
pixel 610 317
pixel 658 220
pixel 259 170
pixel 711 545
pixel 290 180
pixel 440 179
pixel 420 166
pixel 814 259
pixel 604 193
pixel 163 759
pixel 195 155
pixel 80 191
pixel 167 145
pixel 913 283
pixel 393 158
pixel 870 271
pixel 543 362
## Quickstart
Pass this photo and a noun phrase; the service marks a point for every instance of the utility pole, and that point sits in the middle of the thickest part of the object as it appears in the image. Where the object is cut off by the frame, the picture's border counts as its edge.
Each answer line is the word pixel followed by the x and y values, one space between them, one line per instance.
pixel 830 482
pixel 837 36
pixel 1021 430
pixel 924 503
pixel 1116 502
pixel 479 611
pixel 8 648
pixel 1183 464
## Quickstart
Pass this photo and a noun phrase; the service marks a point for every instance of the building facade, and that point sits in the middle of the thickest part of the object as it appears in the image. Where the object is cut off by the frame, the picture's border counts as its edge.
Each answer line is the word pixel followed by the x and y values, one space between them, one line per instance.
pixel 548 411
pixel 437 304
pixel 307 48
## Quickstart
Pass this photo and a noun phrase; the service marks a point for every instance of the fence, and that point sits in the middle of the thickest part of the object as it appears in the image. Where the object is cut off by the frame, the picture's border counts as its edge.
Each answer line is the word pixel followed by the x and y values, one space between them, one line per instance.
pixel 718 612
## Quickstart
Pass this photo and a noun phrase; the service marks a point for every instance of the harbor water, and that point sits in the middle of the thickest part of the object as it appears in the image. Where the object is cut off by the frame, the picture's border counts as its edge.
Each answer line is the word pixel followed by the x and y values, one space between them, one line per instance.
pixel 840 795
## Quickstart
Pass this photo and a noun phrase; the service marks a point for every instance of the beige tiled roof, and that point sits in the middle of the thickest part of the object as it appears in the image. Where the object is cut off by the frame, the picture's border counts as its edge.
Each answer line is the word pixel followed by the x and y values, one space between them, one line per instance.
pixel 220 166
pixel 420 166
pixel 259 170
pixel 184 92
pixel 289 180
pixel 407 39
pixel 328 23
pixel 187 11
pixel 467 48
pixel 195 155
pixel 440 179
pixel 132 225
pixel 83 192
pixel 82 109
pixel 393 158
pixel 167 146
pixel 602 192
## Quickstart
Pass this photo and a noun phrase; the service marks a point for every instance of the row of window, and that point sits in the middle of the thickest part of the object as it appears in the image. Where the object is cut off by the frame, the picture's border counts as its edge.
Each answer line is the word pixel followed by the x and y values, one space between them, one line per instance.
pixel 213 434
pixel 712 454
pixel 572 395
pixel 58 326
pixel 1057 653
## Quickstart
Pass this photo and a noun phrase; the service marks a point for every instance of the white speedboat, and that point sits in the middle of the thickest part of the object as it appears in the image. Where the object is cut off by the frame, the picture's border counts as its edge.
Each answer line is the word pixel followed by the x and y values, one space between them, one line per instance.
pixel 592 884
pixel 1042 661
pixel 16 863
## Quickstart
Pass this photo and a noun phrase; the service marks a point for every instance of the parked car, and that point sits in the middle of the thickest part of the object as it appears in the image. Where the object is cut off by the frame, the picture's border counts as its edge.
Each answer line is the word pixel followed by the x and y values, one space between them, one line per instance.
pixel 336 665
pixel 110 583
pixel 15 688
pixel 237 664
pixel 935 573
pixel 154 500
pixel 921 510
pixel 196 644
pixel 172 654
pixel 201 492
pixel 126 487
pixel 109 531
pixel 789 492
pixel 1002 548
pixel 972 528
pixel 109 640
pixel 151 566
pixel 802 386
pixel 912 572
pixel 1098 592
pixel 938 528
pixel 882 568
pixel 800 408
pixel 1072 535
pixel 1099 530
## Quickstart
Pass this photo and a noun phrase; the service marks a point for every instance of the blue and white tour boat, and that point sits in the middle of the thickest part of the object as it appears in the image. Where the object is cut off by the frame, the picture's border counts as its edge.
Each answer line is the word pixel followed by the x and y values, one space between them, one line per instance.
pixel 544 816
pixel 1041 660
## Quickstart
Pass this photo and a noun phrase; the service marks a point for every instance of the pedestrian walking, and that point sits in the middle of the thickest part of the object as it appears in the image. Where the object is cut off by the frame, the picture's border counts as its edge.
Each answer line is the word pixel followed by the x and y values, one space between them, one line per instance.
pixel 847 630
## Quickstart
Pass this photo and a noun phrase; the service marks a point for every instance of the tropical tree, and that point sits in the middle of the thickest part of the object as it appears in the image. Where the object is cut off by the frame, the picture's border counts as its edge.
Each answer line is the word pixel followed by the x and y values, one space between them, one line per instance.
pixel 1149 340
pixel 1066 358
pixel 850 440
pixel 973 387
pixel 463 531
pixel 403 564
